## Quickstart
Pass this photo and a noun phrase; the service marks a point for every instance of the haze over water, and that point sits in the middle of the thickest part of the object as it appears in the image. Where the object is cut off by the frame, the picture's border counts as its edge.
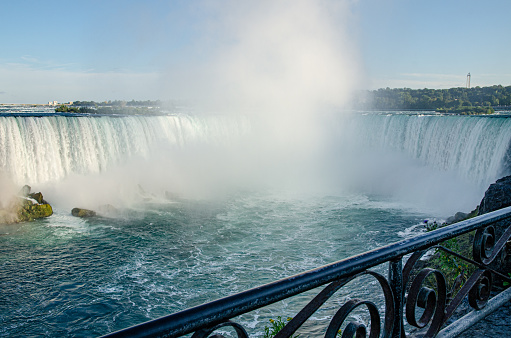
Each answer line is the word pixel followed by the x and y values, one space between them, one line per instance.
pixel 263 175
pixel 186 224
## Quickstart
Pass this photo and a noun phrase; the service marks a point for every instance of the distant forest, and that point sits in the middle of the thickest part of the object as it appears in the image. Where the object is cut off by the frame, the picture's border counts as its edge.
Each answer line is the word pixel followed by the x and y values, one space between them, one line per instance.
pixel 453 99
pixel 113 107
pixel 477 100
pixel 118 103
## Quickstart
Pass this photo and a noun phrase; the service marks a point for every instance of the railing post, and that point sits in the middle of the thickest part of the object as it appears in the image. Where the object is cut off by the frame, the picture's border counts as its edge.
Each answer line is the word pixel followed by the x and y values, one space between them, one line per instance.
pixel 396 284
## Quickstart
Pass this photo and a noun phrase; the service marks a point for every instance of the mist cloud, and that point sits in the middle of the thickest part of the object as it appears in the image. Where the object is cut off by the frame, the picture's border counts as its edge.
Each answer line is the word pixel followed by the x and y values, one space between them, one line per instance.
pixel 281 62
pixel 257 55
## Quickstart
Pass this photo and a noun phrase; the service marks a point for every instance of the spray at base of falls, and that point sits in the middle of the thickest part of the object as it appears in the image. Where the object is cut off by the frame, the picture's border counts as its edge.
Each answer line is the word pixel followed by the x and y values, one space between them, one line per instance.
pixel 87 277
pixel 416 158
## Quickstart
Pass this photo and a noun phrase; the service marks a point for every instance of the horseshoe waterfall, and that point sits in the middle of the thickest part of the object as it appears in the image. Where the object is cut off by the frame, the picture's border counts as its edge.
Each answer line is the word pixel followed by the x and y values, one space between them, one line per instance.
pixel 196 206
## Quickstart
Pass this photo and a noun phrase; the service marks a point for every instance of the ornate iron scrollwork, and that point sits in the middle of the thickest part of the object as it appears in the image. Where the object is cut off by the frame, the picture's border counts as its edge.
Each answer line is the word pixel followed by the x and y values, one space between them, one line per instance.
pixel 432 302
pixel 338 319
pixel 354 328
pixel 205 332
pixel 484 245
pixel 438 308
pixel 480 292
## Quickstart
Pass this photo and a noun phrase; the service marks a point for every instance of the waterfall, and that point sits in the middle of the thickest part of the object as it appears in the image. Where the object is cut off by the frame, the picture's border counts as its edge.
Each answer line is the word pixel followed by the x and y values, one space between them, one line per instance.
pixel 43 149
pixel 475 147
pixel 49 148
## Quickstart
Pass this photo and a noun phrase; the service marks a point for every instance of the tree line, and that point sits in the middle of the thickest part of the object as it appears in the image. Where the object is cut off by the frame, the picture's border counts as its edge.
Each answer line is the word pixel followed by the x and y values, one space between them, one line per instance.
pixel 477 100
pixel 118 103
pixel 453 99
pixel 109 109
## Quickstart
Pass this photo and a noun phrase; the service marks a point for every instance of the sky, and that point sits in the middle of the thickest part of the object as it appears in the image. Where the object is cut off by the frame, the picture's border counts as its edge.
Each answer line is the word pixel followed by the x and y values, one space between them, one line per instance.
pixel 247 50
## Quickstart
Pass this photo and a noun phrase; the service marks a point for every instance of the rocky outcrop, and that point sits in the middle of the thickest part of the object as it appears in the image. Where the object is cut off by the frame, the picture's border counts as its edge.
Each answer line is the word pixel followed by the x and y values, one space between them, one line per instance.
pixel 79 212
pixel 458 217
pixel 497 196
pixel 25 207
pixel 106 210
pixel 28 210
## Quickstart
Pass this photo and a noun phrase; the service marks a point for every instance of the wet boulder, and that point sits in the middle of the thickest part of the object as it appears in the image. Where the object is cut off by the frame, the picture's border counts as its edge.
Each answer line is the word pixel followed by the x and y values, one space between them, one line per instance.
pixel 29 209
pixel 459 216
pixel 38 197
pixel 497 196
pixel 80 212
pixel 25 207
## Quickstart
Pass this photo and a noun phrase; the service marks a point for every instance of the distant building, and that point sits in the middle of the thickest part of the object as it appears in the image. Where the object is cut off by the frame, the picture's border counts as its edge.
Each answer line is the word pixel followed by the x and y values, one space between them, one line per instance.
pixel 53 103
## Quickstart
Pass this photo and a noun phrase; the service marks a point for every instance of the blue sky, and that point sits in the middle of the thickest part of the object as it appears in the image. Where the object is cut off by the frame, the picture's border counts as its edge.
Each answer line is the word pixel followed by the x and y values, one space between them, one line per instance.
pixel 100 50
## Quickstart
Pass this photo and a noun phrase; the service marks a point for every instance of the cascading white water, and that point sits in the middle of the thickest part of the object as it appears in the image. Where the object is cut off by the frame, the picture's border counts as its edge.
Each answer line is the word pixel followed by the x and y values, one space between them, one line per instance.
pixel 475 147
pixel 449 153
pixel 42 149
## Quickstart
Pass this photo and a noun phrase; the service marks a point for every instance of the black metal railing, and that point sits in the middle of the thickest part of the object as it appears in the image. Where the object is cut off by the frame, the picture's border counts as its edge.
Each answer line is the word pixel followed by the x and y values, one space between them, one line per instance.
pixel 408 289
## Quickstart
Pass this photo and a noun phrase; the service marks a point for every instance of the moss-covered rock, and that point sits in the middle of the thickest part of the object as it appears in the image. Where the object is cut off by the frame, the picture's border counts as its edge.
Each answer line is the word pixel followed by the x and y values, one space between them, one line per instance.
pixel 38 197
pixel 25 207
pixel 79 212
pixel 29 211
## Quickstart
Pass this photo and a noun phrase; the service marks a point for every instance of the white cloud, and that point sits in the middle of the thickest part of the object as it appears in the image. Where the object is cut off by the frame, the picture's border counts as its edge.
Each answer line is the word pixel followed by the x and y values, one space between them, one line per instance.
pixel 26 84
pixel 29 58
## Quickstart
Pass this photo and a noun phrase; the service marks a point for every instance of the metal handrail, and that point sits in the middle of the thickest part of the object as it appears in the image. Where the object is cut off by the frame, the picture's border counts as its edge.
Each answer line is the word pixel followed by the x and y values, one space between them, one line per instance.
pixel 213 313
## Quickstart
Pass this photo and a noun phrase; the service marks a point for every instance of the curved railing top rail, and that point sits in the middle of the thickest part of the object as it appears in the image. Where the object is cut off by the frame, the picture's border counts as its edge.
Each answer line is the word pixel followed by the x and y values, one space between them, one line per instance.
pixel 218 311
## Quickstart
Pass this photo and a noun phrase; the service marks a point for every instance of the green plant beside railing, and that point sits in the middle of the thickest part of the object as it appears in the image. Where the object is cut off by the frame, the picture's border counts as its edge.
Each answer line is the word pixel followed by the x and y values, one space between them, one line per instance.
pixel 278 324
pixel 456 270
pixel 275 326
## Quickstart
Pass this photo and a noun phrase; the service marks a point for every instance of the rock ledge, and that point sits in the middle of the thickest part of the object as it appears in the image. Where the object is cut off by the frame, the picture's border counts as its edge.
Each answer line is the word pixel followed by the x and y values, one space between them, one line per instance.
pixel 25 207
